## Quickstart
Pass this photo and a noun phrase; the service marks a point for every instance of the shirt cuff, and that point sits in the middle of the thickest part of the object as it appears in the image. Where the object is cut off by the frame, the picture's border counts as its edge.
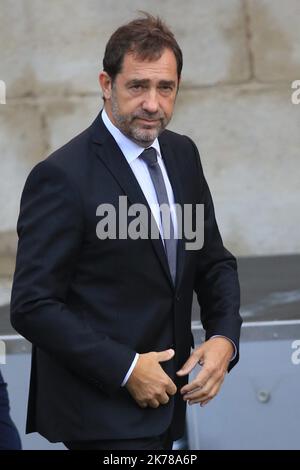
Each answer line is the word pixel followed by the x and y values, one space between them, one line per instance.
pixel 233 344
pixel 130 370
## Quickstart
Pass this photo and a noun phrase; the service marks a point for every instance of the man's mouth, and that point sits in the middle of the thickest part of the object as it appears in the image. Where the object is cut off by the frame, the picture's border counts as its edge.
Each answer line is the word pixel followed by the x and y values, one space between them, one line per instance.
pixel 148 121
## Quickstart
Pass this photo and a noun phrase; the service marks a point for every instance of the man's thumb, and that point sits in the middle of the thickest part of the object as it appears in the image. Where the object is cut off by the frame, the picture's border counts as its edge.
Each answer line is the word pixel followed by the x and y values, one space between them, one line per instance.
pixel 163 356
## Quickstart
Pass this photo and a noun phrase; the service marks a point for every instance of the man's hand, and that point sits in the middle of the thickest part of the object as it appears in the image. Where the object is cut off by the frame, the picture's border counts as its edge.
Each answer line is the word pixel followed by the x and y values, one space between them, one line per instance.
pixel 148 383
pixel 214 355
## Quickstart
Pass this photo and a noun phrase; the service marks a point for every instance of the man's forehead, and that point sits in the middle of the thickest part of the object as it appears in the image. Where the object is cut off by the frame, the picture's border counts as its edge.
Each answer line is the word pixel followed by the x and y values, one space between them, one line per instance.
pixel 165 64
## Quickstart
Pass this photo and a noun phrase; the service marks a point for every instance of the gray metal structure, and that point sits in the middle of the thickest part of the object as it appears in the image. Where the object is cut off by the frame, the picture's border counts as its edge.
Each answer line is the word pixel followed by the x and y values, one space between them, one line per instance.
pixel 258 406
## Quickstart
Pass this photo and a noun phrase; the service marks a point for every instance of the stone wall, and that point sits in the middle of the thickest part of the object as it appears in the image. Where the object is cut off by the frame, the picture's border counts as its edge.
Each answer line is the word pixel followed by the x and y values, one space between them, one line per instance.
pixel 240 58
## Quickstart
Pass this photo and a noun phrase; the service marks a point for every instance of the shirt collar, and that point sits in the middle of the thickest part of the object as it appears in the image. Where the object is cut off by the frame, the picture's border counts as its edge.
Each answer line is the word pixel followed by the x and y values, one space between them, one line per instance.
pixel 130 149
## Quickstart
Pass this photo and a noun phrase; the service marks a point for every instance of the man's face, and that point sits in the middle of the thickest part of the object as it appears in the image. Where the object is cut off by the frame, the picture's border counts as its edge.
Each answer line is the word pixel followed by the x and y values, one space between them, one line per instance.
pixel 141 100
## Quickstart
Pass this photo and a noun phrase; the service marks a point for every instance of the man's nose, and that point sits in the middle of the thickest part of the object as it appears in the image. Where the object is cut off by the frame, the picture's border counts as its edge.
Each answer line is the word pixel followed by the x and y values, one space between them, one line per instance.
pixel 150 102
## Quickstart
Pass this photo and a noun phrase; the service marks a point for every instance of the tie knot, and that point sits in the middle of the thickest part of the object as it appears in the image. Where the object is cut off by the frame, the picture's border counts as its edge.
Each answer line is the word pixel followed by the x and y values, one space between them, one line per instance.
pixel 149 156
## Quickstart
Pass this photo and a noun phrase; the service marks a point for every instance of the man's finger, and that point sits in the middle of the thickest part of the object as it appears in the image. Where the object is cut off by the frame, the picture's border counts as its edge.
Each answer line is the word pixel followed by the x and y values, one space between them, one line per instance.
pixel 190 364
pixel 142 404
pixel 198 382
pixel 171 388
pixel 203 403
pixel 205 394
pixel 196 393
pixel 200 393
pixel 164 356
pixel 153 403
pixel 164 399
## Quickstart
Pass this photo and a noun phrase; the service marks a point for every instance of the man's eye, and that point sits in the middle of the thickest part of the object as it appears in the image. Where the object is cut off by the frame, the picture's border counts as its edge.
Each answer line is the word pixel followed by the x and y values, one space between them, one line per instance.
pixel 136 87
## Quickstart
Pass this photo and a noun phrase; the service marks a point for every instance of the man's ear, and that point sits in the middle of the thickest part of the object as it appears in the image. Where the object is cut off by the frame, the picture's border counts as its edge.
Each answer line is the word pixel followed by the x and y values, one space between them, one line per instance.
pixel 106 84
pixel 178 85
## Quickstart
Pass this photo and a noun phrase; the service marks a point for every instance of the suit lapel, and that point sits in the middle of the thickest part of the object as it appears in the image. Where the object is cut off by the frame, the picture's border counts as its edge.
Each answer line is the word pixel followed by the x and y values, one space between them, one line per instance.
pixel 110 154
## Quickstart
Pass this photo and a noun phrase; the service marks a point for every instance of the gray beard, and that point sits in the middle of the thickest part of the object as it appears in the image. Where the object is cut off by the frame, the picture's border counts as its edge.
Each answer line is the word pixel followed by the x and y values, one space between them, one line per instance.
pixel 125 123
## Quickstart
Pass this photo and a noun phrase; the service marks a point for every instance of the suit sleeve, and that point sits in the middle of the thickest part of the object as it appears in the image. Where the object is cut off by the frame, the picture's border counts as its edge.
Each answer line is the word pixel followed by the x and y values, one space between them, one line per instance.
pixel 216 279
pixel 50 229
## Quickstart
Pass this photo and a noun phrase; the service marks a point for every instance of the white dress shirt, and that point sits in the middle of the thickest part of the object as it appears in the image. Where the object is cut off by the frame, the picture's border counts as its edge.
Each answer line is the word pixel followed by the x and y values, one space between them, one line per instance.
pixel 131 152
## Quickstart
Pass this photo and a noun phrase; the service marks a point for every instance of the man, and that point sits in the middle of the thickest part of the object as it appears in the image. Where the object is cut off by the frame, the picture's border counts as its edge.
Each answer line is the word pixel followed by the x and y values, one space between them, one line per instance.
pixel 110 317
